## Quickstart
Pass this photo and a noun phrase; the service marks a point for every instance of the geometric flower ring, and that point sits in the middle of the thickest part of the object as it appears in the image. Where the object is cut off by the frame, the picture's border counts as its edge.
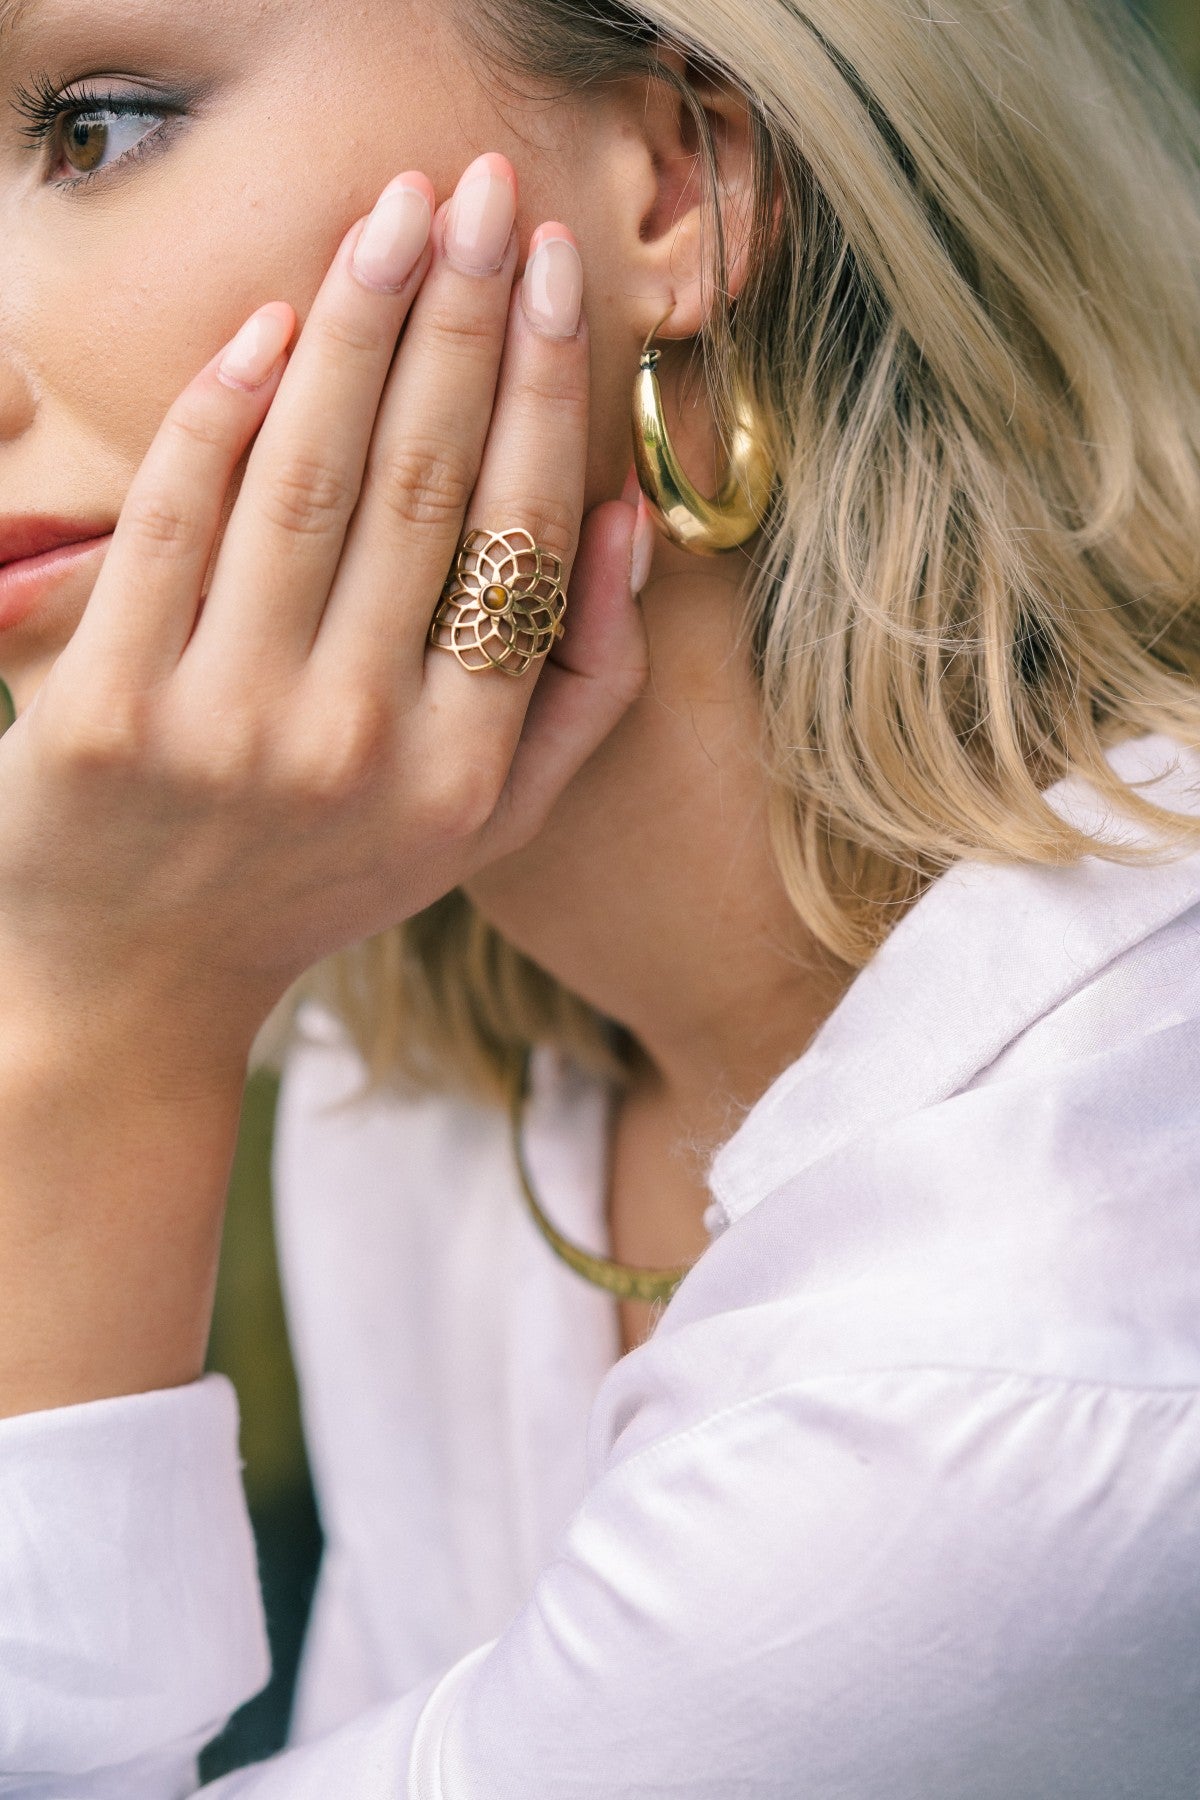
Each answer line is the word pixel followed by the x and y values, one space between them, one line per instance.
pixel 502 604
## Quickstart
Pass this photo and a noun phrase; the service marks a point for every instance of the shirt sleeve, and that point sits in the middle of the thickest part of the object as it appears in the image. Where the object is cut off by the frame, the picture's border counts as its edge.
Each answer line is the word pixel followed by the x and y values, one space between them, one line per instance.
pixel 902 1585
pixel 130 1620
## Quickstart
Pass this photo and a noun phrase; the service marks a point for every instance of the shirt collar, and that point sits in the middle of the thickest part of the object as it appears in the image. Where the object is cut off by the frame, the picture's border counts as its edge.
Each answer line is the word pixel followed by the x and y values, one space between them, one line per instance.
pixel 986 950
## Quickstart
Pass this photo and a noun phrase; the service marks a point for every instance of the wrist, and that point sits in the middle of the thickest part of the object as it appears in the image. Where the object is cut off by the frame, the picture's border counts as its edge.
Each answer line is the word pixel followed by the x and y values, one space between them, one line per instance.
pixel 126 1033
pixel 113 1175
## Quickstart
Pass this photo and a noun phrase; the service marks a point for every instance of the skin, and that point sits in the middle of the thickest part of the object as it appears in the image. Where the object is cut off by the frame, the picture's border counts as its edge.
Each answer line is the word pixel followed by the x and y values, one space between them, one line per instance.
pixel 622 842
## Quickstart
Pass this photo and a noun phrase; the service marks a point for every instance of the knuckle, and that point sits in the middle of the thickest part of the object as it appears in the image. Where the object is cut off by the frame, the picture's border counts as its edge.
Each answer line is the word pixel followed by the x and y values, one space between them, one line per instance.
pixel 465 800
pixel 306 496
pixel 197 427
pixel 227 754
pixel 340 332
pixel 161 524
pixel 342 758
pixel 554 393
pixel 113 732
pixel 556 528
pixel 465 333
pixel 420 485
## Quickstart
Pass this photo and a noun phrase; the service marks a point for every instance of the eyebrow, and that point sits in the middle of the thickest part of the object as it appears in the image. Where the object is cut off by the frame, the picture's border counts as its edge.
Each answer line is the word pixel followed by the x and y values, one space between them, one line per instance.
pixel 11 14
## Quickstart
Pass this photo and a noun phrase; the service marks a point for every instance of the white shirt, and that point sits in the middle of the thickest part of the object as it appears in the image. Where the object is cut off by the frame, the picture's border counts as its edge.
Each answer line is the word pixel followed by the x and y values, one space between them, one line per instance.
pixel 901 1501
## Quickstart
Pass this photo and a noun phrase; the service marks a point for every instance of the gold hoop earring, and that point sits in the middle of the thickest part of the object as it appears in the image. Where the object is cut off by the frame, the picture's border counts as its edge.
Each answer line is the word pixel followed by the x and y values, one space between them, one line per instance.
pixel 681 512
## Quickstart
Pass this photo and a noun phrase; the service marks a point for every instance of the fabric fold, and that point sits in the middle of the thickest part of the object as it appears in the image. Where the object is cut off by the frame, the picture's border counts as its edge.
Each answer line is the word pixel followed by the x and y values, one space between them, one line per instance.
pixel 130 1612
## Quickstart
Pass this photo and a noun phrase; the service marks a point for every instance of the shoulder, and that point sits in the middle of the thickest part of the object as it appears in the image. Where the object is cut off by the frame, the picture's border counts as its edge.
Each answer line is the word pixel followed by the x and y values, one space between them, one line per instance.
pixel 1152 986
pixel 1038 1222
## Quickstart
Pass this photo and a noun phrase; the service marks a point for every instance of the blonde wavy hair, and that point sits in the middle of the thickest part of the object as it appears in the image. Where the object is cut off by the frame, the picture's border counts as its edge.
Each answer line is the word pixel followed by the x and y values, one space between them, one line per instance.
pixel 972 327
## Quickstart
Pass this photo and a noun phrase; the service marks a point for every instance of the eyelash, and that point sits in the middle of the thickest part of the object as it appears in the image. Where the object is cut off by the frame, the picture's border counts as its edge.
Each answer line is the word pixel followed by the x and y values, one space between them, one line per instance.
pixel 42 105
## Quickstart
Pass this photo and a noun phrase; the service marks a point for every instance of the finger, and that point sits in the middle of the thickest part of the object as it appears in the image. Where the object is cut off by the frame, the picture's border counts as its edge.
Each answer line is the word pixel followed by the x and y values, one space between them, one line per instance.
pixel 588 683
pixel 143 607
pixel 286 531
pixel 429 440
pixel 531 481
pixel 533 471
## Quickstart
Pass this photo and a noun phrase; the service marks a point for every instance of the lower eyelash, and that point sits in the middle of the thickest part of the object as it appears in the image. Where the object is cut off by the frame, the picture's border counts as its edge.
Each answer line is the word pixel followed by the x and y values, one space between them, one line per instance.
pixel 144 144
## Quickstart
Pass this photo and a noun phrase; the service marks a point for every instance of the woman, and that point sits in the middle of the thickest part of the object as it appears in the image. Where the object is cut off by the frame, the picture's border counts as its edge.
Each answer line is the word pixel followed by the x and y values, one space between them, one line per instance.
pixel 843 890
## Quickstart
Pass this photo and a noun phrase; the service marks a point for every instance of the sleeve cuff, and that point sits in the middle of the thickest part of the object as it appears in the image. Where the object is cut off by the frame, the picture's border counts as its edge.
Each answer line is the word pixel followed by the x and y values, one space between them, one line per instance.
pixel 130 1611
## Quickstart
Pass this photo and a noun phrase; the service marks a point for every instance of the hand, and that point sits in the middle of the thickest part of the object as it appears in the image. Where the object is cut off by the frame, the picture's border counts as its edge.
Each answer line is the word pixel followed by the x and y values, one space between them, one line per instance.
pixel 244 760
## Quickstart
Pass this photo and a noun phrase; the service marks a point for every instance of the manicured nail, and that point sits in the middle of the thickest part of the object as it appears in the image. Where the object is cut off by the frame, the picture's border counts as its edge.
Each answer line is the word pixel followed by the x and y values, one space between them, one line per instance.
pixel 250 356
pixel 552 290
pixel 393 237
pixel 644 534
pixel 480 218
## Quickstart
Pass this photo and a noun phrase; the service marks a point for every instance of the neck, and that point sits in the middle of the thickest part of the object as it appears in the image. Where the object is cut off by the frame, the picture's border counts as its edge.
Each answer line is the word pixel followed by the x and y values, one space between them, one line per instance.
pixel 652 892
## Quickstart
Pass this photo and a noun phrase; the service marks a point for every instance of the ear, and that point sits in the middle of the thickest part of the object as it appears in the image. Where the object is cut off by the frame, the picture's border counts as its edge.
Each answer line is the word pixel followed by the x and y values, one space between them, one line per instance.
pixel 676 251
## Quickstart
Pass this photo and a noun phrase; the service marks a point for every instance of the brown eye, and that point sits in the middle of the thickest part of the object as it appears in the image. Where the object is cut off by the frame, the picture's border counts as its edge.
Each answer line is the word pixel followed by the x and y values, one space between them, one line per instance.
pixel 84 141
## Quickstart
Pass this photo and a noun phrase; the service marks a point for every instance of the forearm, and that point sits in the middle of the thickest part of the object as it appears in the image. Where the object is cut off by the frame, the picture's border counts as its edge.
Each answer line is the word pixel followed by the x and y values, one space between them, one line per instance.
pixel 114 1166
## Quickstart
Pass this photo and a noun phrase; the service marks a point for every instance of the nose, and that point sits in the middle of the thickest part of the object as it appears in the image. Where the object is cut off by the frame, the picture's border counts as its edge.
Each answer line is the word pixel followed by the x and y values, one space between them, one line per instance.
pixel 17 402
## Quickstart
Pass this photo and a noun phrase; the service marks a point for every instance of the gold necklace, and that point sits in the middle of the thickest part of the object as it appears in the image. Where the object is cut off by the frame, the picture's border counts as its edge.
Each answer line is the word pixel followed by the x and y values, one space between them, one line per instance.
pixel 621 1279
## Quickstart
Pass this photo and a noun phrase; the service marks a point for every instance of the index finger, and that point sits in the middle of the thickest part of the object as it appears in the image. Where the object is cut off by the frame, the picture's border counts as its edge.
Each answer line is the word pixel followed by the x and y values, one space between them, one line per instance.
pixel 285 536
pixel 142 609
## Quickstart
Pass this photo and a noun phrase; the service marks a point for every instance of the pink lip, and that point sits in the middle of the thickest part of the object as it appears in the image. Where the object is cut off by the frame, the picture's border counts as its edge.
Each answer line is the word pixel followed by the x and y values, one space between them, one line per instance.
pixel 32 534
pixel 25 580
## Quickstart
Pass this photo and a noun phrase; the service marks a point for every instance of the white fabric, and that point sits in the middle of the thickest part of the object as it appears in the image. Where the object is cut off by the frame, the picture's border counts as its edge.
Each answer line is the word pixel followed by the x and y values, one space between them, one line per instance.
pixel 900 1502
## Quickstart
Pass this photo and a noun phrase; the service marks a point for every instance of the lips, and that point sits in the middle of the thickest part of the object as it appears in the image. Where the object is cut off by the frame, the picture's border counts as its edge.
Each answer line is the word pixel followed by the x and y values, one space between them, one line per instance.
pixel 25 537
pixel 39 557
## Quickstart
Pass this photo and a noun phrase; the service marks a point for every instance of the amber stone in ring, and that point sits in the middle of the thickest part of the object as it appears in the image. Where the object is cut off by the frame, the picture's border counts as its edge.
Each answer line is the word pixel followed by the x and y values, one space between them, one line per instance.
pixel 502 604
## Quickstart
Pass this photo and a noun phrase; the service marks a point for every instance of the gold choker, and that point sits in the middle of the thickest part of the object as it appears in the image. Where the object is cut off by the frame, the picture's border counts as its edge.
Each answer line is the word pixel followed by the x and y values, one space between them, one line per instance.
pixel 621 1279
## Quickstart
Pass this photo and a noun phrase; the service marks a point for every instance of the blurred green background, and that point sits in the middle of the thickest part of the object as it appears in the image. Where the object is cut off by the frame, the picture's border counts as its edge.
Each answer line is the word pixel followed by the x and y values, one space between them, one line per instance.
pixel 1179 22
pixel 249 1340
pixel 249 1344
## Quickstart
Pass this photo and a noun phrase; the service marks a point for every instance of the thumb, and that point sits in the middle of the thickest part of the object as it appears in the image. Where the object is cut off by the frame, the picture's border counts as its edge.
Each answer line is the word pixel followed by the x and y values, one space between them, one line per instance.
pixel 594 673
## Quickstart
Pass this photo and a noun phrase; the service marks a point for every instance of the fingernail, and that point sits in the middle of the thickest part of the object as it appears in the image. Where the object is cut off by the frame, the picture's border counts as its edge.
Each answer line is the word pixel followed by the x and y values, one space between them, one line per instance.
pixel 250 356
pixel 644 534
pixel 393 237
pixel 552 290
pixel 480 219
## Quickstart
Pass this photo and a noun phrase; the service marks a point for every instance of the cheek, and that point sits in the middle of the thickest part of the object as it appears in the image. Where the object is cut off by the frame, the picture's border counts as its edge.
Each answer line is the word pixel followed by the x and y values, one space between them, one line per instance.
pixel 131 292
pixel 151 305
pixel 123 295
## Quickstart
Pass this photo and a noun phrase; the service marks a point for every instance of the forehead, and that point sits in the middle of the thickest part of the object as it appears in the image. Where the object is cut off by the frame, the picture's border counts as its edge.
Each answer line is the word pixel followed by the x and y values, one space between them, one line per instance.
pixel 20 16
pixel 60 31
pixel 213 39
pixel 223 38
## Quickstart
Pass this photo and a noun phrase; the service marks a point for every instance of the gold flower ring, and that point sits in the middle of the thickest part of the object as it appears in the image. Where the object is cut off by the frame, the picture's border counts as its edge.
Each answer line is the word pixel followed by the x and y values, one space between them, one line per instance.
pixel 502 605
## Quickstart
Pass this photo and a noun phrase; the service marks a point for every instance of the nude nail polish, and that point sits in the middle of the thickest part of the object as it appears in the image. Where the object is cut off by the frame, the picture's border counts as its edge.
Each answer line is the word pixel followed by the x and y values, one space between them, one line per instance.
pixel 644 536
pixel 249 357
pixel 552 288
pixel 393 237
pixel 480 218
